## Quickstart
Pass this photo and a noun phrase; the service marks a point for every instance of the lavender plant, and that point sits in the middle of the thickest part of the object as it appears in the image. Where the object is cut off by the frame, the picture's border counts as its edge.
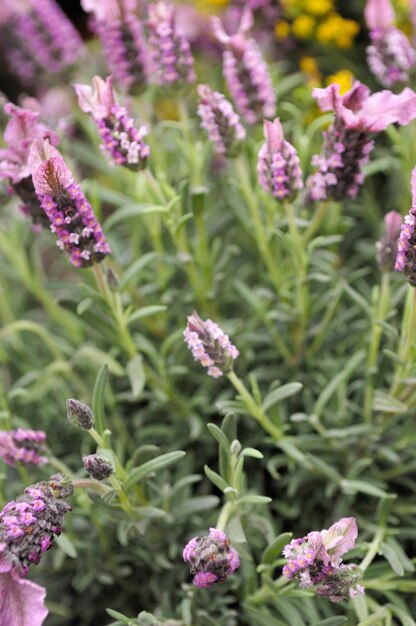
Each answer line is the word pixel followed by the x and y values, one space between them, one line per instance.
pixel 196 492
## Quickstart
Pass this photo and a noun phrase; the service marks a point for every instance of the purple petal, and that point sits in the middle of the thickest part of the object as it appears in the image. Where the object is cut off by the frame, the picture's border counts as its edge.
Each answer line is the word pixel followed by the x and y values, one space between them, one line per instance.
pixel 384 108
pixel 379 14
pixel 99 99
pixel 21 601
pixel 340 538
pixel 274 135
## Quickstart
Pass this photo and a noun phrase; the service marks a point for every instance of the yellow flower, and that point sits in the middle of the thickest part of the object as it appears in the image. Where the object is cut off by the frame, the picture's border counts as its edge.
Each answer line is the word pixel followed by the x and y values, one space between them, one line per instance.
pixel 343 78
pixel 309 66
pixel 282 30
pixel 303 26
pixel 210 6
pixel 319 7
pixel 337 31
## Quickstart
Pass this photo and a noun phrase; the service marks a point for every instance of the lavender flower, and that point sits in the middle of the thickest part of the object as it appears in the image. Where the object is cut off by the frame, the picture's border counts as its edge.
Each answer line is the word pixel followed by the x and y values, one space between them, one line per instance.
pixel 20 132
pixel 79 414
pixel 23 445
pixel 97 466
pixel 406 253
pixel 121 35
pixel 316 560
pixel 210 345
pixel 20 599
pixel 122 141
pixel 212 558
pixel 29 524
pixel 347 142
pixel 172 62
pixel 70 214
pixel 390 56
pixel 278 165
pixel 386 248
pixel 220 121
pixel 246 72
pixel 46 34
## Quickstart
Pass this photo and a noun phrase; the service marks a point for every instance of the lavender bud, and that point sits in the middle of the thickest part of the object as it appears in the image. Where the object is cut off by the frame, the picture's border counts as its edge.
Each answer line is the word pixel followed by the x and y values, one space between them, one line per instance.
pixel 220 121
pixel 29 524
pixel 390 57
pixel 212 558
pixel 386 248
pixel 79 414
pixel 278 165
pixel 406 251
pixel 210 345
pixel 97 466
pixel 235 447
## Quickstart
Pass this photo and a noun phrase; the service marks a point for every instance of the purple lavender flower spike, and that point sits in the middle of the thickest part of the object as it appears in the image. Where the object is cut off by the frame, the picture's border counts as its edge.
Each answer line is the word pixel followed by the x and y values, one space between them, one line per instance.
pixel 212 558
pixel 220 121
pixel 122 141
pixel 406 252
pixel 210 345
pixel 278 164
pixel 171 58
pixel 22 129
pixel 24 445
pixel 315 561
pixel 70 214
pixel 121 35
pixel 347 142
pixel 29 524
pixel 387 247
pixel 245 71
pixel 390 56
pixel 46 34
pixel 16 591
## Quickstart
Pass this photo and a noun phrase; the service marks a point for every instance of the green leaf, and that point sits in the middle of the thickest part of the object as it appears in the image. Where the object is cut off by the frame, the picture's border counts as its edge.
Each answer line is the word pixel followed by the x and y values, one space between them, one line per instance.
pixel 134 210
pixel 153 466
pixel 215 478
pixel 66 545
pixel 252 452
pixel 392 558
pixel 98 398
pixel 253 499
pixel 137 376
pixel 285 391
pixel 354 486
pixel 220 438
pixel 388 404
pixel 135 268
pixel 274 550
pixel 119 616
pixel 332 621
pixel 145 312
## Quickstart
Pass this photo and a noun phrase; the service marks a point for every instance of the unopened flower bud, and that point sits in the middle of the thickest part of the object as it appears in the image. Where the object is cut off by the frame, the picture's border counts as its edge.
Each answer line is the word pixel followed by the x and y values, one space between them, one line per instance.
pixel 79 414
pixel 235 447
pixel 97 466
pixel 212 558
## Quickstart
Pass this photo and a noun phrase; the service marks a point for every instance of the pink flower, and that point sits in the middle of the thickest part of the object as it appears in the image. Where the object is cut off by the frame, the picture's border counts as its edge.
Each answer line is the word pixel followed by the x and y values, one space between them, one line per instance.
pixel 379 14
pixel 339 538
pixel 211 557
pixel 368 113
pixel 406 253
pixel 21 601
pixel 24 445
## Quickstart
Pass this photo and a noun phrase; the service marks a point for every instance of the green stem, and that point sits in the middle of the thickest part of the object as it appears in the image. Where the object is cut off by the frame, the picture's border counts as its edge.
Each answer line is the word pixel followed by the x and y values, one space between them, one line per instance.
pixel 407 337
pixel 260 233
pixel 316 222
pixel 225 514
pixel 379 315
pixel 253 408
pixel 373 549
pixel 300 262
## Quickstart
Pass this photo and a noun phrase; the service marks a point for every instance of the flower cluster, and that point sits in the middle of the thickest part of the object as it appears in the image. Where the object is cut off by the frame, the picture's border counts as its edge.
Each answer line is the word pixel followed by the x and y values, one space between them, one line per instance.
pixel 246 72
pixel 23 445
pixel 347 142
pixel 315 560
pixel 220 121
pixel 386 248
pixel 122 141
pixel 278 164
pixel 171 58
pixel 406 252
pixel 121 35
pixel 212 558
pixel 22 129
pixel 210 345
pixel 70 214
pixel 44 34
pixel 29 524
pixel 390 56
